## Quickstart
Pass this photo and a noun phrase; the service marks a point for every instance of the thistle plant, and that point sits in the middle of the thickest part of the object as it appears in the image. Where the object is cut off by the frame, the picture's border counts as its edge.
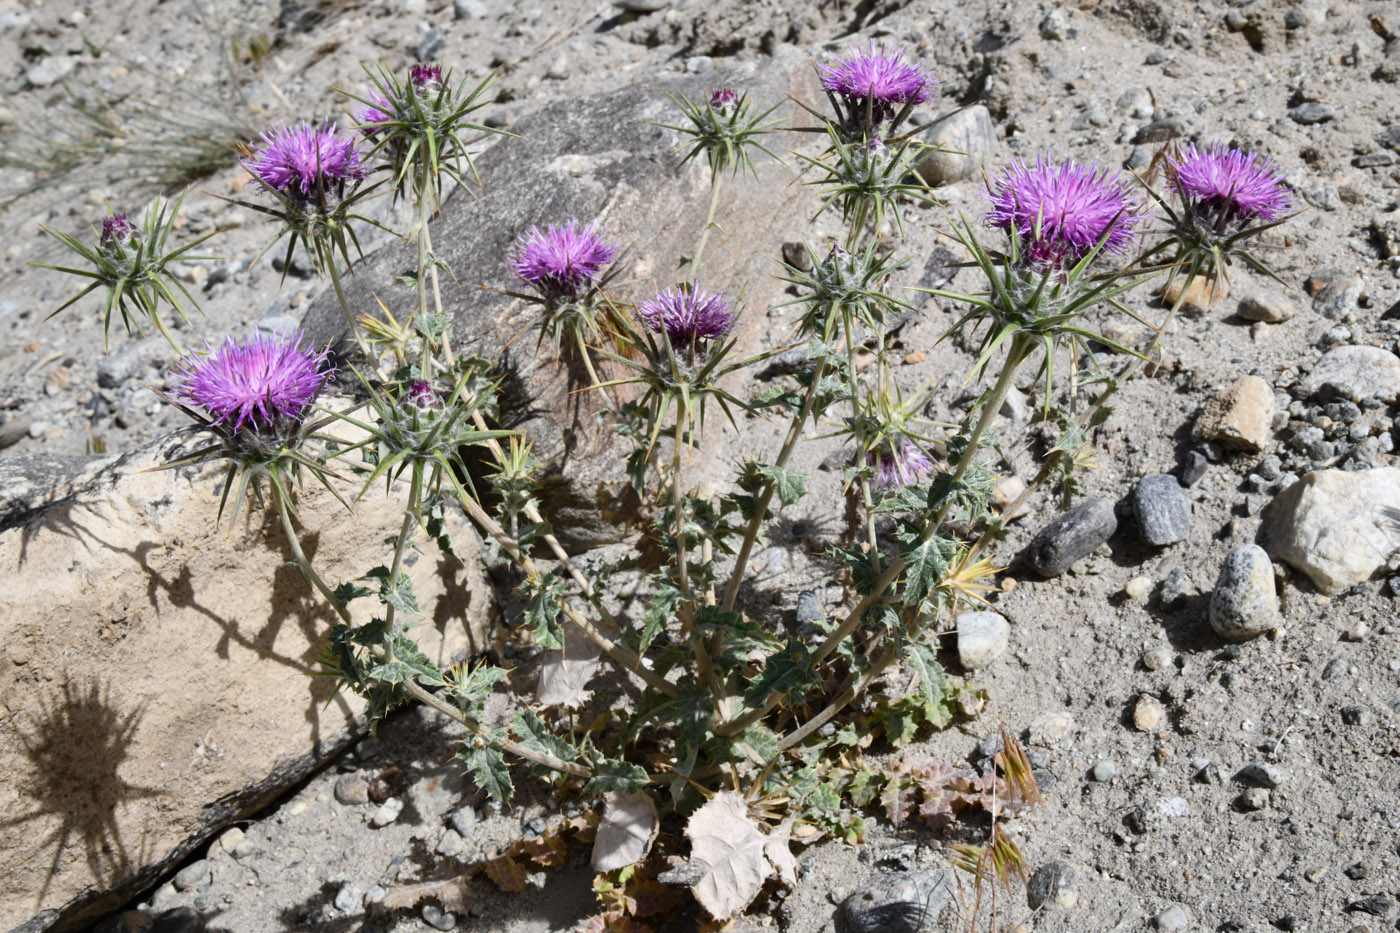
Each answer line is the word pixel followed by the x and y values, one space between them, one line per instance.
pixel 567 267
pixel 132 264
pixel 869 159
pixel 316 175
pixel 724 129
pixel 418 127
pixel 746 728
pixel 255 396
pixel 1228 197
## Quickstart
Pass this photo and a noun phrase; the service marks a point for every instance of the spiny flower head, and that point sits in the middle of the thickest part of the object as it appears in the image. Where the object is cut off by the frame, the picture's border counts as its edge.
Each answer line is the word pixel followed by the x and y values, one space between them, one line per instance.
pixel 877 80
pixel 263 382
pixel 1062 211
pixel 304 161
pixel 421 397
pixel 724 99
pixel 117 229
pixel 379 110
pixel 1228 188
pixel 425 77
pixel 562 261
pixel 688 315
pixel 898 463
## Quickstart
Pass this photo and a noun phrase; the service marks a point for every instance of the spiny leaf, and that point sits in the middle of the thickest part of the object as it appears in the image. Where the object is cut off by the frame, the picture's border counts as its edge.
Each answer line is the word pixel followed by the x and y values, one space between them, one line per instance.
pixel 535 735
pixel 487 765
pixel 620 776
pixel 789 485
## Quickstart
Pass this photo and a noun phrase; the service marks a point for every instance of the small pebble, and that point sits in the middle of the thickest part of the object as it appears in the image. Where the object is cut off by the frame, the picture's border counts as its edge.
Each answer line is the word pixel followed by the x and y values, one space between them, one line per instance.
pixel 388 811
pixel 463 820
pixel 1071 536
pixel 1245 602
pixel 352 788
pixel 1356 716
pixel 1172 919
pixel 1138 588
pixel 1264 774
pixel 1158 658
pixel 1149 714
pixel 1253 798
pixel 1193 467
pixel 1105 771
pixel 1052 885
pixel 904 902
pixel 1162 510
pixel 982 638
pixel 192 875
pixel 348 899
pixel 434 917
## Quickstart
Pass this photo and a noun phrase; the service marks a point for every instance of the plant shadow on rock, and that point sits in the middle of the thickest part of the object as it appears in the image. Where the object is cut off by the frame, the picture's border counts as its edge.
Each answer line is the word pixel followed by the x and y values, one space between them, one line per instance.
pixel 75 752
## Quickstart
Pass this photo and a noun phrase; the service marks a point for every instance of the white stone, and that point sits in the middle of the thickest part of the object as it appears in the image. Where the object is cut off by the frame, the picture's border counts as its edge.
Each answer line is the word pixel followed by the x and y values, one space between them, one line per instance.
pixel 1356 372
pixel 982 637
pixel 968 139
pixel 1338 527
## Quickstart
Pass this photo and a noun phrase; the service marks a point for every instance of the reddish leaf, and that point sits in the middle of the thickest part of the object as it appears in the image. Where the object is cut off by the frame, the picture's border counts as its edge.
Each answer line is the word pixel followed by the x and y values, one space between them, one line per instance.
pixel 507 873
pixel 654 898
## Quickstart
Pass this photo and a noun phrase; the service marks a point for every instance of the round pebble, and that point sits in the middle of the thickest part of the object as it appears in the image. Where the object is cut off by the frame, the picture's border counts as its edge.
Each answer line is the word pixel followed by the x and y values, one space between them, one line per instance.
pixel 1149 715
pixel 1171 919
pixel 1072 536
pixel 352 788
pixel 436 918
pixel 1105 771
pixel 348 899
pixel 906 902
pixel 1138 588
pixel 1052 885
pixel 1162 510
pixel 1253 798
pixel 1244 603
pixel 192 875
pixel 1158 658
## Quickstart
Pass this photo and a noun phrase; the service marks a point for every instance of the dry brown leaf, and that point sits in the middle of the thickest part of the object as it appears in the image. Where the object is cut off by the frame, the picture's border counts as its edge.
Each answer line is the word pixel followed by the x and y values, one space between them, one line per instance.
pixel 627 831
pixel 780 854
pixel 564 674
pixel 452 894
pixel 507 873
pixel 728 847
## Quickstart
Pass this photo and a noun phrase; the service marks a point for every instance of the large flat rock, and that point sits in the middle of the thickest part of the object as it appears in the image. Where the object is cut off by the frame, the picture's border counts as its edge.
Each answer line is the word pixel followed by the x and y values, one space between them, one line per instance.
pixel 155 668
pixel 1338 527
pixel 601 158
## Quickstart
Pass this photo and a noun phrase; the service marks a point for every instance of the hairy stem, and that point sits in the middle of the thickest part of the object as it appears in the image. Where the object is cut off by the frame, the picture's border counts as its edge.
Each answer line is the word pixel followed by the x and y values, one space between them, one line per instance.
pixel 428 698
pixel 588 365
pixel 765 495
pixel 345 308
pixel 620 653
pixel 705 233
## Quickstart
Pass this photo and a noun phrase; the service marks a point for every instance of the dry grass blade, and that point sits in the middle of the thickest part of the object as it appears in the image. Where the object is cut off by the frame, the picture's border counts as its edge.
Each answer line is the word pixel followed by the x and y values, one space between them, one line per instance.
pixel 132 145
pixel 451 893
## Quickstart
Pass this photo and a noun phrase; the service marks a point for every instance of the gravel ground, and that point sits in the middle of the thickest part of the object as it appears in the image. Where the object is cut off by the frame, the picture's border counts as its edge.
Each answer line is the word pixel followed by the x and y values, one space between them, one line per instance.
pixel 1191 783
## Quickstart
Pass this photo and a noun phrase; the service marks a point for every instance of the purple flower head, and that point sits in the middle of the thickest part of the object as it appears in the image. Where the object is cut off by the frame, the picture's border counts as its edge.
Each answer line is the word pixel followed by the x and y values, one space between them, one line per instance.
pixel 688 315
pixel 303 160
pixel 117 229
pixel 425 77
pixel 879 80
pixel 898 466
pixel 724 100
pixel 1062 211
pixel 379 110
pixel 1226 189
pixel 421 397
pixel 255 384
pixel 562 261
